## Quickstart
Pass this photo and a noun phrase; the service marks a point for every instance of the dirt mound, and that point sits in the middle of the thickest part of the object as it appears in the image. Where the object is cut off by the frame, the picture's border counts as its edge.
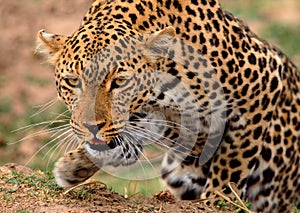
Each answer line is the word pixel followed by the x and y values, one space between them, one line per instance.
pixel 22 189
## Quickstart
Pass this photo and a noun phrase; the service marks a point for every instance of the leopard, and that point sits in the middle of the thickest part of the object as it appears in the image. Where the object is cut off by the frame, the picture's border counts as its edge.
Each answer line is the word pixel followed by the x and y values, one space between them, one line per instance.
pixel 191 77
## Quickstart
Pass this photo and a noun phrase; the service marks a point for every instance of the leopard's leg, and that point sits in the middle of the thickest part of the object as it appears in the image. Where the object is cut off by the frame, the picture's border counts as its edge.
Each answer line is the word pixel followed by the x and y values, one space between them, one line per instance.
pixel 184 178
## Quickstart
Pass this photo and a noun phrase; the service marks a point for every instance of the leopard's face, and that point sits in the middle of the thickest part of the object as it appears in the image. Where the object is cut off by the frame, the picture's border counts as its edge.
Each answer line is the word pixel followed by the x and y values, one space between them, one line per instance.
pixel 105 89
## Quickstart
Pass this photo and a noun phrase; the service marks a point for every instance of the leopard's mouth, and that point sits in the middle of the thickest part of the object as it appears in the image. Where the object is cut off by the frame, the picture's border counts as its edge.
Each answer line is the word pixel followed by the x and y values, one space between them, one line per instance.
pixel 101 146
pixel 117 152
pixel 96 141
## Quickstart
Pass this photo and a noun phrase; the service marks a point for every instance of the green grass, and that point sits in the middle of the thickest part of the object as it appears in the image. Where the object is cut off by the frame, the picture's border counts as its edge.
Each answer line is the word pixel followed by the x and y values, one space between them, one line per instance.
pixel 37 182
pixel 128 187
pixel 225 206
pixel 296 210
pixel 257 13
pixel 244 9
pixel 248 205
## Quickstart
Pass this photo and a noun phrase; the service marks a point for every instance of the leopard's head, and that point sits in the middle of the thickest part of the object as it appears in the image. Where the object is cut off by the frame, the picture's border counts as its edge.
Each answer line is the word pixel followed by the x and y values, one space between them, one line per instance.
pixel 105 74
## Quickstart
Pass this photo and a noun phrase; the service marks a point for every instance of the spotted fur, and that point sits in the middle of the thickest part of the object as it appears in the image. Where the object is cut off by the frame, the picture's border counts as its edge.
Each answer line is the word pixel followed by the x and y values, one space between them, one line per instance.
pixel 129 59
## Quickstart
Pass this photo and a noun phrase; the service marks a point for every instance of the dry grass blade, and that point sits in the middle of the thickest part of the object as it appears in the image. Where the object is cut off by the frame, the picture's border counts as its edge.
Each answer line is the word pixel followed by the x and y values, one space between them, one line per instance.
pixel 233 203
pixel 126 189
pixel 237 196
pixel 86 183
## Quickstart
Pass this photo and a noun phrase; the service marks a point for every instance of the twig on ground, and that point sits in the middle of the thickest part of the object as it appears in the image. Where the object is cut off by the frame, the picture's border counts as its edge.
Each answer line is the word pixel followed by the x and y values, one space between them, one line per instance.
pixel 233 203
pixel 86 183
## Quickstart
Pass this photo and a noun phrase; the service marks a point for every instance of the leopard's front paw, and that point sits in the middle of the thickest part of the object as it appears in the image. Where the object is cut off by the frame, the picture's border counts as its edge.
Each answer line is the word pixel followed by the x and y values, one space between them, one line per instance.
pixel 73 168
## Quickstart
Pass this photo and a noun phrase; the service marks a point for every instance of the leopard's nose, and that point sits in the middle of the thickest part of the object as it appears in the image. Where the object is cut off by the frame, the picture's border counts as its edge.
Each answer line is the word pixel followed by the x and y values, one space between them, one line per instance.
pixel 94 128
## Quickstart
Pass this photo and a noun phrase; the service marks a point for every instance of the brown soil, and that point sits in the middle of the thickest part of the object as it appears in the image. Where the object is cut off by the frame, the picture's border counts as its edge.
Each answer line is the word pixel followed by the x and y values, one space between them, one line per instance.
pixel 22 189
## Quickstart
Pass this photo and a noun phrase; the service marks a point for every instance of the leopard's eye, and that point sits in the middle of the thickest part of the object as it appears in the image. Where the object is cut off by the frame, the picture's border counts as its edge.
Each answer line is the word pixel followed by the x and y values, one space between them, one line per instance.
pixel 119 82
pixel 73 82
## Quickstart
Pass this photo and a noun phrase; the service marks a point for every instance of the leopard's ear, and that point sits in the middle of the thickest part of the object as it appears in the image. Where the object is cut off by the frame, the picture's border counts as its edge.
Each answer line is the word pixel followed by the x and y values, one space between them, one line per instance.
pixel 159 42
pixel 50 44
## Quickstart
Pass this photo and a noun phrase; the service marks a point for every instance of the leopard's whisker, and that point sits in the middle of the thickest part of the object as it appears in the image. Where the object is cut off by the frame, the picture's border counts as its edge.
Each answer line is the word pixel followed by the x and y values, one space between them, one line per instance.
pixel 61 142
pixel 45 106
pixel 59 145
pixel 141 133
pixel 63 128
pixel 40 149
pixel 54 153
pixel 122 144
pixel 61 117
pixel 150 133
pixel 139 162
pixel 63 114
pixel 146 158
pixel 75 142
pixel 46 123
pixel 40 133
pixel 52 150
pixel 68 141
pixel 62 135
pixel 162 123
pixel 64 146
